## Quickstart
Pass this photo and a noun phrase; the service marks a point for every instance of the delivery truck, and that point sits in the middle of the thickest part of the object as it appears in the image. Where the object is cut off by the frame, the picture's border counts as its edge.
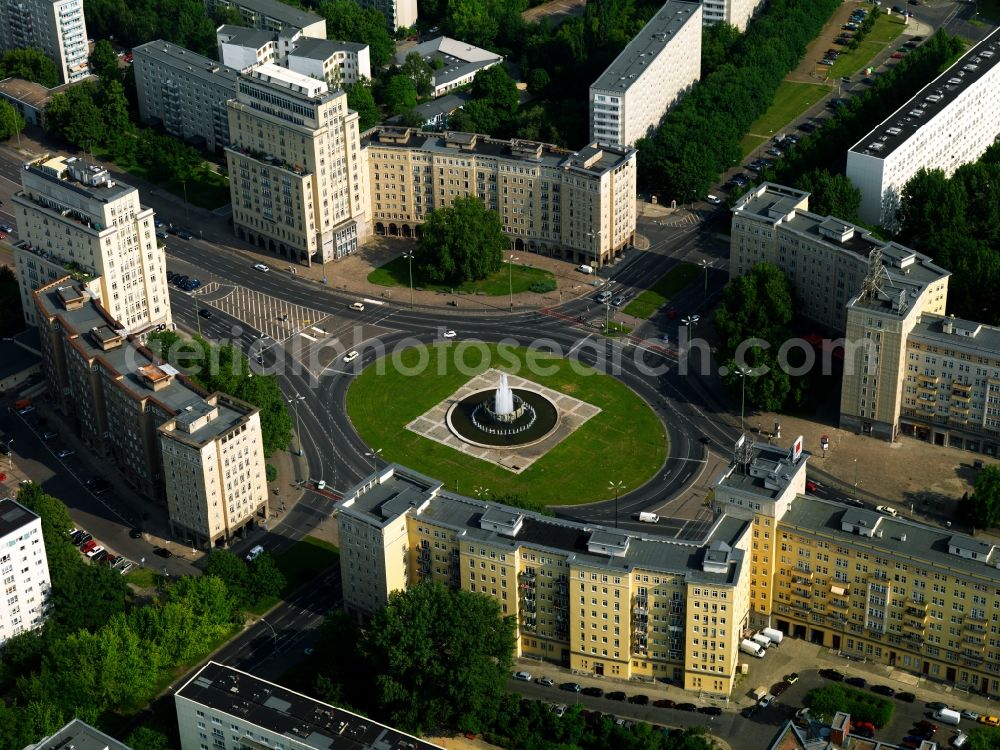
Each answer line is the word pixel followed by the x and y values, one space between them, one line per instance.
pixel 774 635
pixel 762 640
pixel 649 518
pixel 948 716
pixel 754 649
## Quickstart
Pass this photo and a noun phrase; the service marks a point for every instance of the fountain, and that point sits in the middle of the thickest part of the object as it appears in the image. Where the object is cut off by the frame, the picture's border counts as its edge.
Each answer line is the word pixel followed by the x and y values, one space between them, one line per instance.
pixel 505 417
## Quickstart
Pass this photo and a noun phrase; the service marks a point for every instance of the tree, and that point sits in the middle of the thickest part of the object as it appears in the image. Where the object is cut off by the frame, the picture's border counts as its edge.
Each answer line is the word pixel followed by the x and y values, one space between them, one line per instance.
pixel 441 657
pixel 231 570
pixel 399 94
pixel 538 80
pixel 982 508
pixel 347 20
pixel 11 122
pixel 360 99
pixel 120 132
pixel 74 116
pixel 461 242
pixel 264 579
pixel 831 194
pixel 104 62
pixel 717 44
pixel 472 21
pixel 31 64
pixel 418 71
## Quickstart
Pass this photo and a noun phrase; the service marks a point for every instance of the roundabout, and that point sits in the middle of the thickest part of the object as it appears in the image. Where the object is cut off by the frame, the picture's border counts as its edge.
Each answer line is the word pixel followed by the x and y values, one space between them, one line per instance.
pixel 518 423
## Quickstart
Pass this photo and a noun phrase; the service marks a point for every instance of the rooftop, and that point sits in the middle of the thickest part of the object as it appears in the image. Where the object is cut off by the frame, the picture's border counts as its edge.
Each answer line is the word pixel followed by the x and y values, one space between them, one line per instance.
pixel 593 159
pixel 13 516
pixel 280 77
pixel 956 333
pixel 931 100
pixel 460 58
pixel 768 474
pixel 282 12
pixel 647 45
pixel 284 712
pixel 710 557
pixel 434 108
pixel 241 36
pixel 34 94
pixel 78 735
pixel 191 63
pixel 323 49
pixel 72 173
pixel 905 539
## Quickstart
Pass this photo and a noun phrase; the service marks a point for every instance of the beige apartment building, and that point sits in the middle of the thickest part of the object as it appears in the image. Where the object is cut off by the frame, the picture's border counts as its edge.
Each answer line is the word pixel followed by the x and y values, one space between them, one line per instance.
pixel 296 168
pixel 201 453
pixel 577 205
pixel 74 218
pixel 649 76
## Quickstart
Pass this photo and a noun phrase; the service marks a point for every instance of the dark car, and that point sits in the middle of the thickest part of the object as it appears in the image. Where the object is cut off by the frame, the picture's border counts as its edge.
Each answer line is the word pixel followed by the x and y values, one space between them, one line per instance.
pixel 163 552
pixel 927 726
pixel 639 700
pixel 100 485
pixel 779 687
pixel 710 710
pixel 205 313
pixel 77 538
pixel 937 706
pixel 135 533
pixel 686 707
pixel 594 692
pixel 664 703
pixel 100 556
pixel 181 280
pixel 807 127
pixel 832 674
pixel 83 540
pixel 858 682
pixel 749 711
pixel 885 690
pixel 906 697
pixel 616 695
pixel 572 687
pixel 184 234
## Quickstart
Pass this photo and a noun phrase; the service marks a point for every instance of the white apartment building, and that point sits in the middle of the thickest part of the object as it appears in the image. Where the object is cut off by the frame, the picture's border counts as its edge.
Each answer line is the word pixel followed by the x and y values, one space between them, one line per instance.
pixel 577 205
pixel 950 122
pixel 154 423
pixel 338 63
pixel 455 63
pixel 56 27
pixel 734 12
pixel 80 736
pixel 661 62
pixel 242 48
pixel 227 709
pixel 398 13
pixel 273 15
pixel 297 173
pixel 24 568
pixel 74 218
pixel 184 92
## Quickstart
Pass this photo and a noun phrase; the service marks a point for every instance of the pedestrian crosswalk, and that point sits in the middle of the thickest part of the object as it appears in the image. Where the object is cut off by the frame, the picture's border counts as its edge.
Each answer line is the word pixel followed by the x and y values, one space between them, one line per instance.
pixel 684 219
pixel 276 318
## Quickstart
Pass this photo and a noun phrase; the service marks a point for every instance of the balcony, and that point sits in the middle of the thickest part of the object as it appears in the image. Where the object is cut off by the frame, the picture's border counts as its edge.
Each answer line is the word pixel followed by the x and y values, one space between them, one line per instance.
pixel 802 579
pixel 914 625
pixel 924 379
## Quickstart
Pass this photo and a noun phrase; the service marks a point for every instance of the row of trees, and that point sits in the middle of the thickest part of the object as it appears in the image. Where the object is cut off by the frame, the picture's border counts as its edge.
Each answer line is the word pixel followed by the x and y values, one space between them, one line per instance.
pixel 183 22
pixel 96 654
pixel 30 64
pixel 723 105
pixel 226 369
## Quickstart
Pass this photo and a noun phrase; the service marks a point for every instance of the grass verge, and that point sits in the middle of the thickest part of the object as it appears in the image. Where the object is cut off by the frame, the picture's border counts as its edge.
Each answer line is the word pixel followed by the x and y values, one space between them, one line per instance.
pixel 885 31
pixel 300 563
pixel 626 434
pixel 666 287
pixel 207 189
pixel 397 273
pixel 790 100
pixel 144 578
pixel 748 143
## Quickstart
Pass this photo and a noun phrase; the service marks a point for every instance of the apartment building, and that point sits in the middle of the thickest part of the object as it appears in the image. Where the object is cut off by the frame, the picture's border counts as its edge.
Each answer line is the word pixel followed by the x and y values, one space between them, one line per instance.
pixel 297 173
pixel 950 122
pixel 241 48
pixel 233 709
pixel 24 568
pixel 578 205
pixel 80 736
pixel 184 92
pixel 199 453
pixel 454 63
pixel 734 12
pixel 654 70
pixel 595 599
pixel 398 14
pixel 951 390
pixel 273 15
pixel 74 218
pixel 340 64
pixel 56 27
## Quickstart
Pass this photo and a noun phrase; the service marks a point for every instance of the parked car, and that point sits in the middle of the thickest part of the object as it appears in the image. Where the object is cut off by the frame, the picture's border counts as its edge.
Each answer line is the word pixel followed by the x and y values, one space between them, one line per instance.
pixel 766 701
pixel 522 676
pixel 810 486
pixel 887 511
pixel 351 356
pixel 832 674
pixel 896 55
pixel 618 301
pixel 906 697
pixel 85 540
pixel 163 552
pixel 185 234
pixel 792 678
pixel 358 306
pixel 928 726
pixel 885 690
pixel 780 687
pixel 546 681
pixel 807 127
pixel 126 568
pixel 572 687
pixel 969 714
pixel 49 435
pixel 990 721
pixel 593 692
pixel 710 710
pixel 65 453
pixel 664 703
pixel 161 234
pixel 937 706
pixel 686 707
pixel 615 695
pixel 94 550
pixel 101 556
pixel 714 199
pixel 639 700
pixel 858 682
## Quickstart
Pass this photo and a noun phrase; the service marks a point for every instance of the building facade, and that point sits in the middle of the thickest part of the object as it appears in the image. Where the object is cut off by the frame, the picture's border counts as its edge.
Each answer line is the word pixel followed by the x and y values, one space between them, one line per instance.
pixel 296 168
pixel 80 736
pixel 398 14
pixel 56 27
pixel 661 62
pixel 734 12
pixel 228 709
pixel 597 600
pixel 340 64
pixel 24 568
pixel 455 63
pixel 950 122
pixel 184 92
pixel 74 218
pixel 273 15
pixel 199 453
pixel 576 205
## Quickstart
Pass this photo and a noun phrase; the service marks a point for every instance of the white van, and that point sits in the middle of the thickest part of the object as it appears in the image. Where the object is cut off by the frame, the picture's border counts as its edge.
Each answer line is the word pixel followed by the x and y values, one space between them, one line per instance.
pixel 948 716
pixel 255 553
pixel 649 518
pixel 585 269
pixel 762 640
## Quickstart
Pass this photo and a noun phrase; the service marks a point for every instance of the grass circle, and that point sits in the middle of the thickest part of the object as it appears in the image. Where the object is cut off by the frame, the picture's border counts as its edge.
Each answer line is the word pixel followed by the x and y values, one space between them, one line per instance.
pixel 625 442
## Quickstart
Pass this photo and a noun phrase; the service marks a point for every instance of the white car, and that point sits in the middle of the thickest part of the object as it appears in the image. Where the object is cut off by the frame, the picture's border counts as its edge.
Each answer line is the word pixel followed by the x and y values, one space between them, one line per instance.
pixel 65 453
pixel 967 714
pixel 448 334
pixel 713 199
pixel 522 676
pixel 94 551
pixel 255 553
pixel 559 710
pixel 886 510
pixel 358 306
pixel 351 356
pixel 546 681
pixel 766 701
pixel 261 267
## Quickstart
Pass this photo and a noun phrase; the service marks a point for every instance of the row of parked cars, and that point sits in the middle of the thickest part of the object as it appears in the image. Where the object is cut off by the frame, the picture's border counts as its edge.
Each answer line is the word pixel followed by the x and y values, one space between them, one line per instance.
pixel 183 282
pixel 97 553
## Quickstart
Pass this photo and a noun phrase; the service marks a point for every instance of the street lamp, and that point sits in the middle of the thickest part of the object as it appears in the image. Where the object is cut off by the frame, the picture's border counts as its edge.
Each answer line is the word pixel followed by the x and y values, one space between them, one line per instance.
pixel 706 264
pixel 373 455
pixel 510 278
pixel 409 257
pixel 742 372
pixel 597 246
pixel 294 401
pixel 10 455
pixel 617 487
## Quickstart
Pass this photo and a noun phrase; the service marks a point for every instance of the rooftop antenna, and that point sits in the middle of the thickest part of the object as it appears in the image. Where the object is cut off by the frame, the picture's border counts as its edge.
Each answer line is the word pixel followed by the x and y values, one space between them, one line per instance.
pixel 743 452
pixel 877 277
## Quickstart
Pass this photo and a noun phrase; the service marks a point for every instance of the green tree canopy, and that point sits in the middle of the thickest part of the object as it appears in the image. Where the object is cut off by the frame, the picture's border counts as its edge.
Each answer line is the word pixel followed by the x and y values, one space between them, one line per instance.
pixel 419 71
pixel 982 508
pixel 104 62
pixel 74 116
pixel 11 122
pixel 361 100
pixel 348 21
pixel 831 194
pixel 30 64
pixel 399 94
pixel 441 657
pixel 461 242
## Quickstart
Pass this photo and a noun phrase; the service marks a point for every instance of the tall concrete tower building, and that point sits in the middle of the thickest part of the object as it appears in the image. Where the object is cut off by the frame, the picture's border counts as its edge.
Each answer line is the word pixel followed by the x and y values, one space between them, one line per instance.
pixel 56 27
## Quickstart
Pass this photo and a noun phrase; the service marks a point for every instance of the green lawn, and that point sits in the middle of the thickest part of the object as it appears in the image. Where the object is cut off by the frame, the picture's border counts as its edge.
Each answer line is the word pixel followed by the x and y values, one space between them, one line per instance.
pixel 397 273
pixel 144 578
pixel 657 295
pixel 208 189
pixel 886 30
pixel 790 100
pixel 748 143
pixel 625 442
pixel 306 559
pixel 615 330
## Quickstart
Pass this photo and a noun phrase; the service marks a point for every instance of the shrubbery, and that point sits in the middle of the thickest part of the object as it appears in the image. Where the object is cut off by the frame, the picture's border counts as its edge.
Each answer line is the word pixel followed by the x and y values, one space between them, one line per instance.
pixel 861 705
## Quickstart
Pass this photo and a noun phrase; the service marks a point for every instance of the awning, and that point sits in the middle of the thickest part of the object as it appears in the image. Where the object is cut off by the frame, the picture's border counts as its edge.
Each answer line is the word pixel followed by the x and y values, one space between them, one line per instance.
pixel 838 590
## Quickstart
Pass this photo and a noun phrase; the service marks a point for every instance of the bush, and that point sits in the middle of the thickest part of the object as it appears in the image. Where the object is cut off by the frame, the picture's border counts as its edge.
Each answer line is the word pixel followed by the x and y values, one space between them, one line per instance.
pixel 270 472
pixel 541 287
pixel 862 706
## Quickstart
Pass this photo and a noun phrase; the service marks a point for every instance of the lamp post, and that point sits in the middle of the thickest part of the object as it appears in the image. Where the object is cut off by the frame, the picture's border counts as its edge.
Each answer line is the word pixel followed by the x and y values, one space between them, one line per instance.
pixel 294 401
pixel 706 264
pixel 10 455
pixel 597 246
pixel 409 257
pixel 274 633
pixel 373 455
pixel 743 372
pixel 510 278
pixel 617 487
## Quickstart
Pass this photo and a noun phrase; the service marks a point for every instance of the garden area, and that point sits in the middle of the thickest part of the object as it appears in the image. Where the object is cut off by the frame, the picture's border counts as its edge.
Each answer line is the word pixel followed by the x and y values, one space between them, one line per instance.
pixel 520 278
pixel 651 300
pixel 790 101
pixel 884 32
